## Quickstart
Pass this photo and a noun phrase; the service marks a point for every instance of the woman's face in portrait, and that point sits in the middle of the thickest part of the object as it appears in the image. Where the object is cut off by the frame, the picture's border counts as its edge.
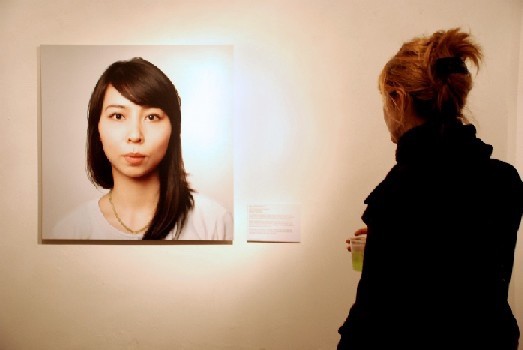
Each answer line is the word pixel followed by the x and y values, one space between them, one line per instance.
pixel 134 137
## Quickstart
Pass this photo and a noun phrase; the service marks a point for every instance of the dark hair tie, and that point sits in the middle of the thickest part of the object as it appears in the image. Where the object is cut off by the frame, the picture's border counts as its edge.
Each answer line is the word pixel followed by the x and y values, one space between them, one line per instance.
pixel 446 66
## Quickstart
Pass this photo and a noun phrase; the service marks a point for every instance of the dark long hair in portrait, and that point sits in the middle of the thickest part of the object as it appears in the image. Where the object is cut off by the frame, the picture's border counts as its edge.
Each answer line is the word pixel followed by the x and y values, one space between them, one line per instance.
pixel 144 84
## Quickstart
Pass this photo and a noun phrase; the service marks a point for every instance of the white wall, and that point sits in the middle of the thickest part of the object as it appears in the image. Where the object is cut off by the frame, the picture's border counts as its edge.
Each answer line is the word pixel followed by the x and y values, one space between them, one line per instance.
pixel 517 281
pixel 308 129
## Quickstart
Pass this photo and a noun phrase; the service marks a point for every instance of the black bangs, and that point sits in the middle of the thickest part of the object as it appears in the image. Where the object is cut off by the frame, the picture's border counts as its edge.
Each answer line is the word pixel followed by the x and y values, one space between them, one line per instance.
pixel 139 82
pixel 144 84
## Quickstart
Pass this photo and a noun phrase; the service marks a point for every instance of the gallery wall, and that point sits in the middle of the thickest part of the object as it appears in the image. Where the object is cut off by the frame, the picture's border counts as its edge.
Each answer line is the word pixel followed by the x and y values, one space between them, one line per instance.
pixel 517 281
pixel 308 129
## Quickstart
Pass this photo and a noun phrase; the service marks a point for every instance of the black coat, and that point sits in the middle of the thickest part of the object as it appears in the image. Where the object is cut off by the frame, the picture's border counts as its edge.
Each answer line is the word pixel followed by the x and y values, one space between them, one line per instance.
pixel 442 230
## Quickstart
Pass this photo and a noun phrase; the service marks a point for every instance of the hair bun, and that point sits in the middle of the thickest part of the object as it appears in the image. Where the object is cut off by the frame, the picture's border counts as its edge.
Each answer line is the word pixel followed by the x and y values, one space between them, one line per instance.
pixel 445 66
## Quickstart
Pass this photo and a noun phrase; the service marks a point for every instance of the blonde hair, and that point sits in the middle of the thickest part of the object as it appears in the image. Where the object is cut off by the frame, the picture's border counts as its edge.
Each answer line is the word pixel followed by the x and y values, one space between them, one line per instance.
pixel 428 77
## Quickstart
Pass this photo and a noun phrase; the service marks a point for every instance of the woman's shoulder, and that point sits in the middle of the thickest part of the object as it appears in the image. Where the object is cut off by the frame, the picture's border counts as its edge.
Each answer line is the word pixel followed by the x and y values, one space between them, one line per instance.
pixel 86 222
pixel 208 209
pixel 77 223
pixel 505 180
pixel 504 170
pixel 208 220
pixel 206 203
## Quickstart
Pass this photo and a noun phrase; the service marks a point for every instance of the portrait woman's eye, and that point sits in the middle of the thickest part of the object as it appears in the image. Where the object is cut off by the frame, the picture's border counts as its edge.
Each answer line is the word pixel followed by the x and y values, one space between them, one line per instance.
pixel 117 116
pixel 153 117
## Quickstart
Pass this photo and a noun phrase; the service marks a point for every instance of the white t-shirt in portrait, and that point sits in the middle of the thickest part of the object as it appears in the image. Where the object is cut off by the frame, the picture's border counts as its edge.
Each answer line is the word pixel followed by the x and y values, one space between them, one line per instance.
pixel 208 220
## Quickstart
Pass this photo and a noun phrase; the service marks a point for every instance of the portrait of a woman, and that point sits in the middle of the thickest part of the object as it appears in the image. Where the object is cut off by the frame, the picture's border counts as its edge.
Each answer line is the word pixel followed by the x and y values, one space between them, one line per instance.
pixel 134 152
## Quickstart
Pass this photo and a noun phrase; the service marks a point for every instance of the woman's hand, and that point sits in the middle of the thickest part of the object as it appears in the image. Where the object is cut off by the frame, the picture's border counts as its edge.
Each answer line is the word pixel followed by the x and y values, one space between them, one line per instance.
pixel 359 232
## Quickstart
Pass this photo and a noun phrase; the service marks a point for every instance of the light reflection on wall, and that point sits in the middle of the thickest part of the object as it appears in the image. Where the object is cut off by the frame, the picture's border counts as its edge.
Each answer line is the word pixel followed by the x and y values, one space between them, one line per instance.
pixel 207 121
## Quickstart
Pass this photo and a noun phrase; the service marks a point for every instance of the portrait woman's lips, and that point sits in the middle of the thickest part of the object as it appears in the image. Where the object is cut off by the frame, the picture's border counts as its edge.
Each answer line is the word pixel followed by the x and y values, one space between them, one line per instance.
pixel 134 158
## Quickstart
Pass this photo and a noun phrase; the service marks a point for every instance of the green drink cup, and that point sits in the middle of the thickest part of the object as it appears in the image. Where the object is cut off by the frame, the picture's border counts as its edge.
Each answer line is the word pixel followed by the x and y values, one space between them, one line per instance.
pixel 357 249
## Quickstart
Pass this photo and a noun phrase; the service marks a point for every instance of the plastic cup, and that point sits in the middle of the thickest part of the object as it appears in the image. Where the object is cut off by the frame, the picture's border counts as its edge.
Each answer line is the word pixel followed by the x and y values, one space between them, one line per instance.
pixel 357 248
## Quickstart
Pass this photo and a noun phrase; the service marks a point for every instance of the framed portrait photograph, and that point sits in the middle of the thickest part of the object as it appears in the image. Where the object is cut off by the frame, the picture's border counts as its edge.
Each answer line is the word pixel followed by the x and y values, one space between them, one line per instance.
pixel 136 143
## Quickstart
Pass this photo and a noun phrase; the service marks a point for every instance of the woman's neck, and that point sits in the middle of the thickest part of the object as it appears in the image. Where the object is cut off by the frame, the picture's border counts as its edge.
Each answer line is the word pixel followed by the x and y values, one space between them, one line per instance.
pixel 131 203
pixel 134 193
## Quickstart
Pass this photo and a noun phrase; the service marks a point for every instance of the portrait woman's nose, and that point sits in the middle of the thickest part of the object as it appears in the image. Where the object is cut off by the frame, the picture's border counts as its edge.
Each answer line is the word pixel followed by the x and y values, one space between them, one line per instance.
pixel 135 132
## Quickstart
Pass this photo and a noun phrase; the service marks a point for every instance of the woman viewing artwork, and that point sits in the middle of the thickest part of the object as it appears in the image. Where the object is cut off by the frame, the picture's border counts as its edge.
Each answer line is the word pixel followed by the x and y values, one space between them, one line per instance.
pixel 134 151
pixel 442 226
